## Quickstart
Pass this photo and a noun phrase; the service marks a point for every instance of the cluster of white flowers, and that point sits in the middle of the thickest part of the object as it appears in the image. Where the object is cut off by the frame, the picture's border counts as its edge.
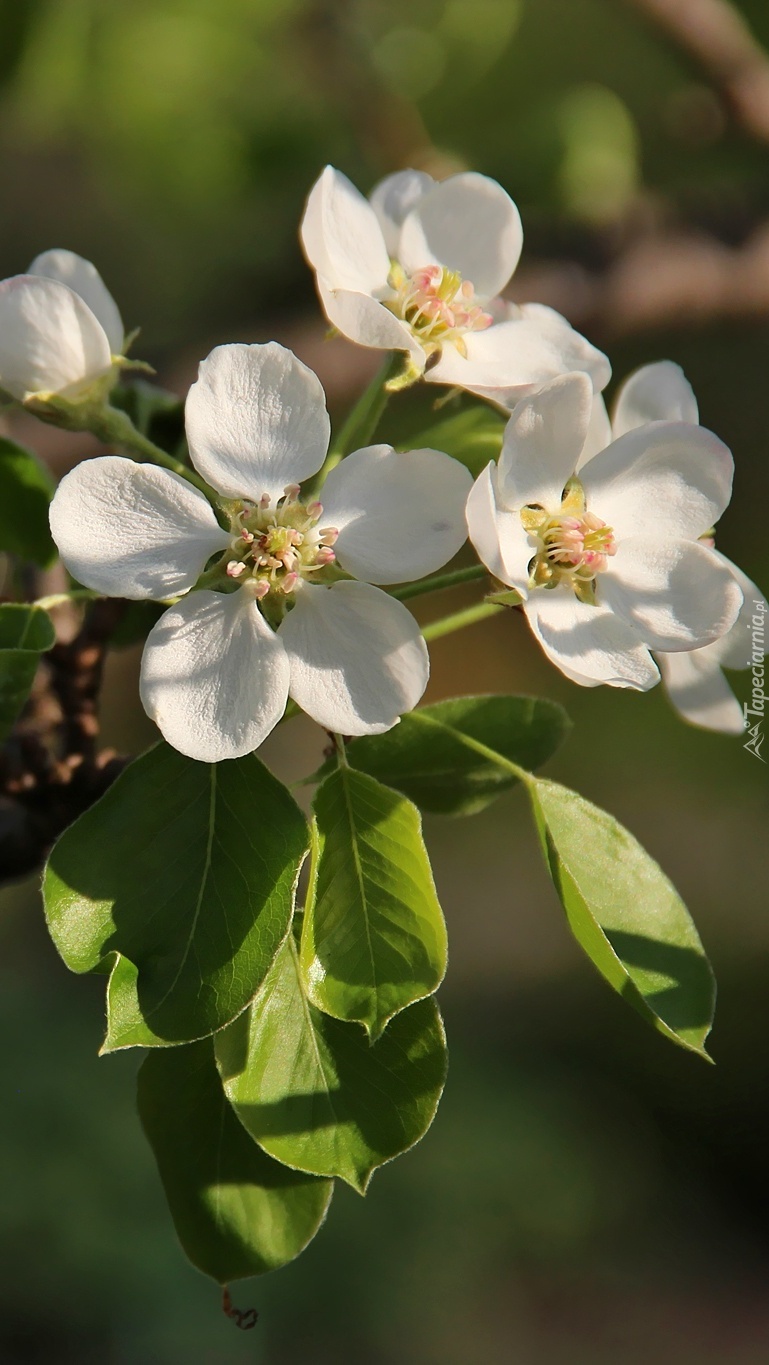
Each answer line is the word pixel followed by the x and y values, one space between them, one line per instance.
pixel 603 529
pixel 290 615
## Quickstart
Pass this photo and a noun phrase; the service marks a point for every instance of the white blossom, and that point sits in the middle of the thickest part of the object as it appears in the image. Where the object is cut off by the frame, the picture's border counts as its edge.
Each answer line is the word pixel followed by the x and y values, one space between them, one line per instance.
pixel 609 562
pixel 694 679
pixel 287 616
pixel 420 268
pixel 60 329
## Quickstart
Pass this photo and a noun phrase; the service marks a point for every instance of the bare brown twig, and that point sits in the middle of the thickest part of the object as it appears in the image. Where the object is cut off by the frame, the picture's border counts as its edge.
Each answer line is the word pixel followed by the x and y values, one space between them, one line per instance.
pixel 51 769
pixel 661 278
pixel 717 38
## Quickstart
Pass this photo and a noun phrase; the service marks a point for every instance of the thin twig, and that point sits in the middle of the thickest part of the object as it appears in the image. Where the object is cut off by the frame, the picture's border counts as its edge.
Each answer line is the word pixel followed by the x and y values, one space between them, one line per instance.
pixel 51 768
pixel 663 277
pixel 718 39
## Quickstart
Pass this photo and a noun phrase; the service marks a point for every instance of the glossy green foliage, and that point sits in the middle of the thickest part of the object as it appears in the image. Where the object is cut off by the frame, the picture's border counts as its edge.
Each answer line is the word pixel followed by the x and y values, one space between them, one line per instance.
pixel 237 1212
pixel 373 938
pixel 316 1094
pixel 455 757
pixel 188 871
pixel 626 915
pixel 466 428
pixel 26 489
pixel 25 634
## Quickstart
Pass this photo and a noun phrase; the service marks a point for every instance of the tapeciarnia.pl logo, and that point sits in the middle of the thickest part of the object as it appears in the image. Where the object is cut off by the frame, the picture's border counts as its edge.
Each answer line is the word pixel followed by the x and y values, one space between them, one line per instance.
pixel 756 707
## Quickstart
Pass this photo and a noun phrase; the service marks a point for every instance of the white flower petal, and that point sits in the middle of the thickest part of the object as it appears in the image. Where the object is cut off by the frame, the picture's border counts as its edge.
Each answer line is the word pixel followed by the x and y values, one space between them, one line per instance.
pixel 394 198
pixel 735 649
pixel 589 643
pixel 542 443
pixel 214 676
pixel 662 479
pixel 50 341
pixel 362 319
pixel 699 691
pixel 466 223
pixel 84 278
pixel 499 538
pixel 133 530
pixel 399 515
pixel 677 594
pixel 599 434
pixel 341 236
pixel 513 357
pixel 654 393
pixel 576 351
pixel 358 660
pixel 256 420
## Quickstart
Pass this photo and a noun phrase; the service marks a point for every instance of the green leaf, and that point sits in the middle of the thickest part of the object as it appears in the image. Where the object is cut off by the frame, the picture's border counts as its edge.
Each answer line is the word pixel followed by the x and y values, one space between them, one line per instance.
pixel 126 1025
pixel 464 427
pixel 316 1094
pixel 373 936
pixel 474 436
pixel 188 870
pixel 237 1212
pixel 155 412
pixel 25 634
pixel 455 757
pixel 626 915
pixel 26 489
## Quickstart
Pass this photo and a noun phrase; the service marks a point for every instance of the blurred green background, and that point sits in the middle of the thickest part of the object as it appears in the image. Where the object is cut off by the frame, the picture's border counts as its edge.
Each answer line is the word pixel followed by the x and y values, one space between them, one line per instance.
pixel 587 1195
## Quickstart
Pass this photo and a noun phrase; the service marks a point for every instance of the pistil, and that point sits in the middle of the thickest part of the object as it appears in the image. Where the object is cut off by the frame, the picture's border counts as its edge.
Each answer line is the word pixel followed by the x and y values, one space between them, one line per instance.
pixel 275 547
pixel 438 305
pixel 574 545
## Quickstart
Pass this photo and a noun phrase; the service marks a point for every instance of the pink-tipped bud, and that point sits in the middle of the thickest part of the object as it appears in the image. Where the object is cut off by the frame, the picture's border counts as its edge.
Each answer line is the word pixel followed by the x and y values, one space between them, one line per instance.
pixel 325 556
pixel 265 500
pixel 260 587
pixel 315 510
pixel 292 491
pixel 289 582
pixel 329 535
pixel 235 568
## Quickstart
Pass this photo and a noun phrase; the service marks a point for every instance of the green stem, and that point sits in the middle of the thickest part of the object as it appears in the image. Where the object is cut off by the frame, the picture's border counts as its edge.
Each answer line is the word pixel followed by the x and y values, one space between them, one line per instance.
pixel 114 427
pixel 440 580
pixel 57 599
pixel 362 421
pixel 493 756
pixel 459 619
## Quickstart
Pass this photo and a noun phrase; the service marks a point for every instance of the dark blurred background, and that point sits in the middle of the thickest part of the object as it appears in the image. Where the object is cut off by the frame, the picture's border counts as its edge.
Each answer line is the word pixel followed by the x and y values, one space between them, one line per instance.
pixel 588 1195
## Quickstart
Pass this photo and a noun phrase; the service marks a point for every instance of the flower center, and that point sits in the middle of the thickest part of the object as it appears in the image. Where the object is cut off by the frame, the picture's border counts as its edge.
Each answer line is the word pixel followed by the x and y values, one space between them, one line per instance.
pixel 573 545
pixel 437 304
pixel 275 547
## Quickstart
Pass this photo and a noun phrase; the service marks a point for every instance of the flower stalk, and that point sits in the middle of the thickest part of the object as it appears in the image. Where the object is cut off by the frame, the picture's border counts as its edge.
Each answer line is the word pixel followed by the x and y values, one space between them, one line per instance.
pixel 458 620
pixel 115 428
pixel 362 420
pixel 437 582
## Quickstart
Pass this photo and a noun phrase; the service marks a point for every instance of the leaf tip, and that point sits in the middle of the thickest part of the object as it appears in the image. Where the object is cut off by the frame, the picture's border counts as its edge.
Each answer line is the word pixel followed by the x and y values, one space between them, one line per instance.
pixel 360 1180
pixel 375 1027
